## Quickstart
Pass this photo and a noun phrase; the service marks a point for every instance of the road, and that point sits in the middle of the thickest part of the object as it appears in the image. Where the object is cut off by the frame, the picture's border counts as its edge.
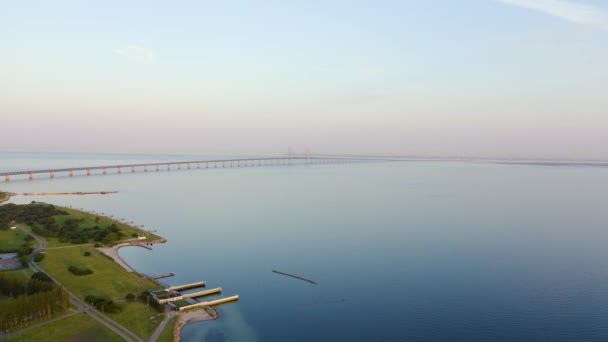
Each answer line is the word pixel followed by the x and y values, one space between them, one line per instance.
pixel 82 306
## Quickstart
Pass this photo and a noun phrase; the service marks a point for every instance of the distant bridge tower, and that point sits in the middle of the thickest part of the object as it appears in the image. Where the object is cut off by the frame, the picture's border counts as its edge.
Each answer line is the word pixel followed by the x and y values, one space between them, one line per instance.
pixel 290 153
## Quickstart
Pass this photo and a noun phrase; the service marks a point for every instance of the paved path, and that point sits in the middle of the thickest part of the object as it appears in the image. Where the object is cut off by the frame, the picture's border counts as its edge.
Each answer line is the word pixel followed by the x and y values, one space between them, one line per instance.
pixel 123 332
pixel 162 325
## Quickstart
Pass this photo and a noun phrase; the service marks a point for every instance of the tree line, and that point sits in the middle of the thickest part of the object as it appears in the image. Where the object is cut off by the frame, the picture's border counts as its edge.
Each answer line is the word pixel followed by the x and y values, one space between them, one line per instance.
pixel 30 301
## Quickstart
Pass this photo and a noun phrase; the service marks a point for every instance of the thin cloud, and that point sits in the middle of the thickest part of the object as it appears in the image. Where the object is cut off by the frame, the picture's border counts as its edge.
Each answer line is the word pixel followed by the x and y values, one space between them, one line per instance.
pixel 568 10
pixel 136 53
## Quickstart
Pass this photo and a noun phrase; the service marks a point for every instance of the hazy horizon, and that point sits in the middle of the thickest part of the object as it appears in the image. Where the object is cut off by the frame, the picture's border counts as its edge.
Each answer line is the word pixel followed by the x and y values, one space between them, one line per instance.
pixel 471 78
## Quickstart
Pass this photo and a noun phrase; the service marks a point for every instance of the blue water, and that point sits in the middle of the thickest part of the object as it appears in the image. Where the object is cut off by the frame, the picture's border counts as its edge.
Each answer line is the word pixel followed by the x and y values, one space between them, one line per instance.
pixel 405 251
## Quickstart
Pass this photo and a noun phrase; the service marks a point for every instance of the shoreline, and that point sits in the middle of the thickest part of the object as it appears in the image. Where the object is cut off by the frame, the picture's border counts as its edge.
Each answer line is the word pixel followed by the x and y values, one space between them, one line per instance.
pixel 7 196
pixel 184 319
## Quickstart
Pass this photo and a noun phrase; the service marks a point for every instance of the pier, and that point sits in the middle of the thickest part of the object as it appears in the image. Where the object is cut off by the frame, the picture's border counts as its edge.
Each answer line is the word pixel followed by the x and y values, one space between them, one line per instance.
pixel 160 276
pixel 211 303
pixel 187 286
pixel 190 295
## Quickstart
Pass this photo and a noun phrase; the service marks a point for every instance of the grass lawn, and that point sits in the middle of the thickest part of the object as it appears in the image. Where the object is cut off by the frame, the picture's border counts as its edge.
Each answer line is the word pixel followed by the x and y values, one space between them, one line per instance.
pixel 108 278
pixel 89 221
pixel 139 318
pixel 80 327
pixel 11 240
pixel 167 334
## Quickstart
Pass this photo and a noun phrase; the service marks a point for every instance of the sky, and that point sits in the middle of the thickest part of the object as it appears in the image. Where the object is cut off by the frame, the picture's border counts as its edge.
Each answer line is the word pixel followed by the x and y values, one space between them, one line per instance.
pixel 453 78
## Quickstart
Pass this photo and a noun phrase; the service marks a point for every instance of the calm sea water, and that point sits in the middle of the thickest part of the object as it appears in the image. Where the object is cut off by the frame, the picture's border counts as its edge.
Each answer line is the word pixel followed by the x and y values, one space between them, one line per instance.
pixel 403 251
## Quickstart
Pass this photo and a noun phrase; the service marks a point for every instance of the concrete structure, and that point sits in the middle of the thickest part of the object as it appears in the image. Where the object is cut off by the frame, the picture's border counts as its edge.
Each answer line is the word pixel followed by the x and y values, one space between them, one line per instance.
pixel 190 295
pixel 187 286
pixel 211 303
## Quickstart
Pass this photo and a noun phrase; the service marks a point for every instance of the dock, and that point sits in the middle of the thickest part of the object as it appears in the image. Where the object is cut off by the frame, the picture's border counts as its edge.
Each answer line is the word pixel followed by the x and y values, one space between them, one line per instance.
pixel 211 303
pixel 190 295
pixel 160 276
pixel 187 286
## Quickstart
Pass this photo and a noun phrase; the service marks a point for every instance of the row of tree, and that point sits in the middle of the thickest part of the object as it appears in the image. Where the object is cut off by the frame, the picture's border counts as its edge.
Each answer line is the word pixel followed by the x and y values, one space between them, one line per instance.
pixel 30 301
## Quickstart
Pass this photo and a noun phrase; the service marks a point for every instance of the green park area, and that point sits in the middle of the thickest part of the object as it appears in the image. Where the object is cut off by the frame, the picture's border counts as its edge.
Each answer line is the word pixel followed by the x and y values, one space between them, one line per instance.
pixel 11 240
pixel 79 327
pixel 108 279
pixel 72 259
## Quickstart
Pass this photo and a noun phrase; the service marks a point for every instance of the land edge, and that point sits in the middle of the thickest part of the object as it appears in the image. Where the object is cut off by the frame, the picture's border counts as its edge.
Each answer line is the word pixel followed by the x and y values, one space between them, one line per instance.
pixel 192 317
pixel 7 196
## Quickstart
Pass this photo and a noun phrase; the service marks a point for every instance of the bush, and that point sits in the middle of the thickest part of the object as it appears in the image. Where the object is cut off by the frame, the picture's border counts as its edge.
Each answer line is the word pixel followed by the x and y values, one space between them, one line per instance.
pixel 80 271
pixel 39 257
pixel 24 260
pixel 103 304
pixel 41 276
pixel 87 253
pixel 130 297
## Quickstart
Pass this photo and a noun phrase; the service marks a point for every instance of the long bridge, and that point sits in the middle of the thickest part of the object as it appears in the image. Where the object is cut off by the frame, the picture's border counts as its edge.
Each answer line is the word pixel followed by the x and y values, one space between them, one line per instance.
pixel 178 165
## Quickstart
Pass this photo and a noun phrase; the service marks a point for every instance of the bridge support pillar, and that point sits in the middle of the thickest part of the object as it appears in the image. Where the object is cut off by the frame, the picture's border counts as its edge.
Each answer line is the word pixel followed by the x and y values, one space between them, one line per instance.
pixel 231 163
pixel 188 166
pixel 104 171
pixel 145 168
pixel 88 172
pixel 132 169
pixel 7 178
pixel 179 166
pixel 52 174
pixel 168 167
pixel 206 165
pixel 71 173
pixel 157 168
pixel 198 165
pixel 30 176
pixel 215 163
pixel 223 163
pixel 119 169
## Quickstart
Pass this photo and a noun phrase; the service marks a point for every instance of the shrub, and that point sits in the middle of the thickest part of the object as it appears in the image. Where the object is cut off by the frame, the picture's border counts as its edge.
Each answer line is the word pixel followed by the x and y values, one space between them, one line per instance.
pixel 103 304
pixel 130 297
pixel 80 271
pixel 41 276
pixel 87 253
pixel 39 257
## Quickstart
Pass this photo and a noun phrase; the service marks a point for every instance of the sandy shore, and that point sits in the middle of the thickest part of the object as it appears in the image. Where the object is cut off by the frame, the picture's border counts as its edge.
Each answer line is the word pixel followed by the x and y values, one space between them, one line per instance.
pixel 184 319
pixel 112 252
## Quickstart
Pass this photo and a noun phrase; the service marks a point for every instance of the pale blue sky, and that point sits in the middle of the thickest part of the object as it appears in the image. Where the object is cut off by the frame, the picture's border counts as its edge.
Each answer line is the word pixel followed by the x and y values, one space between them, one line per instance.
pixel 490 78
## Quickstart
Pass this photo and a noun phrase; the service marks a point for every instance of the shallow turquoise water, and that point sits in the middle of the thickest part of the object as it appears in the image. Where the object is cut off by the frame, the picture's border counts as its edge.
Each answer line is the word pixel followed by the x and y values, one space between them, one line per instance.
pixel 406 251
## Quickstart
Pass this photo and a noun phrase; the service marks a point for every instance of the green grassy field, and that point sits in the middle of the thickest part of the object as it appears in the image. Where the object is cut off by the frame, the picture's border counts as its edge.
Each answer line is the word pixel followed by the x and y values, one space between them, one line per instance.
pixel 139 318
pixel 11 239
pixel 167 334
pixel 108 278
pixel 91 220
pixel 77 328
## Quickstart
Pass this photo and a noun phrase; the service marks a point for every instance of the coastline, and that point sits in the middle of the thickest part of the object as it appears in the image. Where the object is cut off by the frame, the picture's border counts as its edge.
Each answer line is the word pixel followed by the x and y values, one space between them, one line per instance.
pixel 192 317
pixel 7 196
